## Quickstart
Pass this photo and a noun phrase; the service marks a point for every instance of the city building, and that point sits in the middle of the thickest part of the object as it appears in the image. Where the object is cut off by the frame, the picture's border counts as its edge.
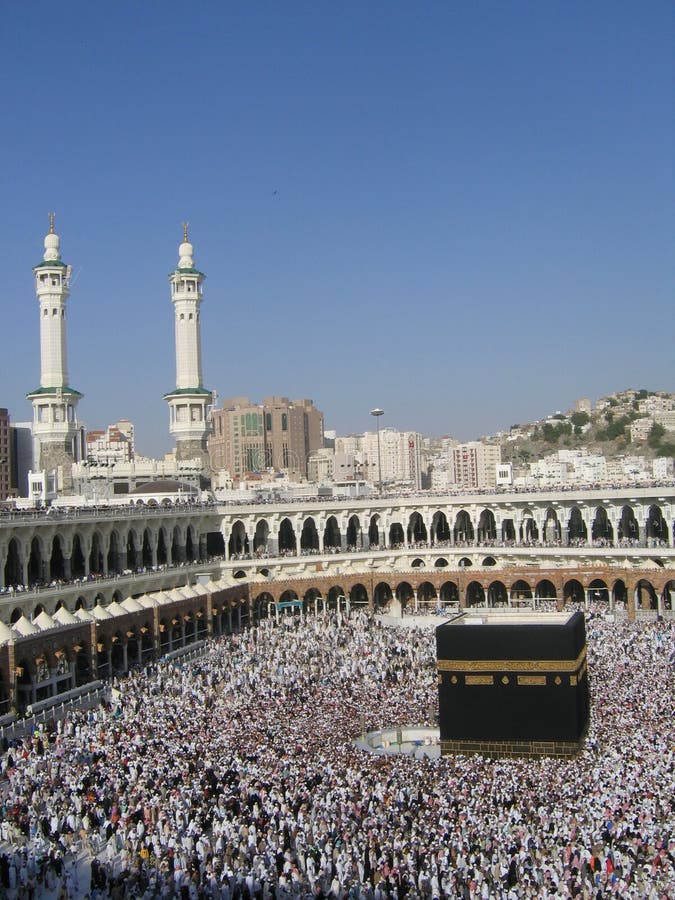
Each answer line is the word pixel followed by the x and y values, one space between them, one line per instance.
pixel 5 455
pixel 277 434
pixel 114 444
pixel 190 402
pixel 321 465
pixel 58 438
pixel 21 455
pixel 474 465
pixel 640 429
pixel 663 467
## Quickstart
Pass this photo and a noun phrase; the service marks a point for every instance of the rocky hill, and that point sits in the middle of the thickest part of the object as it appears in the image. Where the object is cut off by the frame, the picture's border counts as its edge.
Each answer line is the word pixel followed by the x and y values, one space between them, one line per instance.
pixel 604 429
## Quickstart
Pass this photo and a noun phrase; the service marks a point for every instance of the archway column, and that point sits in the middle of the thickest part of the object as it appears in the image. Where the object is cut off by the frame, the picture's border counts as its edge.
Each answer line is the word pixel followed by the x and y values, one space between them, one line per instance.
pixel 4 553
pixel 85 547
pixel 105 550
pixel 24 564
pixel 45 563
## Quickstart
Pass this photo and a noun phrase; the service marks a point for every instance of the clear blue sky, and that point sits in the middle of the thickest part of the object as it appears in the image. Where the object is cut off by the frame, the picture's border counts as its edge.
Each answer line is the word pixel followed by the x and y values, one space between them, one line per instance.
pixel 460 212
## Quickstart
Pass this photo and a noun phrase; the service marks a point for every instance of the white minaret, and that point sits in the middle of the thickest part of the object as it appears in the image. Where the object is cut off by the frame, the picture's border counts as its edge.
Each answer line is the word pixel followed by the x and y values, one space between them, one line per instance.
pixel 190 402
pixel 56 431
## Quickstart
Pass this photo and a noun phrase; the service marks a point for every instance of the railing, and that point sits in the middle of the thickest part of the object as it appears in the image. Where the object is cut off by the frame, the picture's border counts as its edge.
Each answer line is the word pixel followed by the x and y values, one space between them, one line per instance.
pixel 56 707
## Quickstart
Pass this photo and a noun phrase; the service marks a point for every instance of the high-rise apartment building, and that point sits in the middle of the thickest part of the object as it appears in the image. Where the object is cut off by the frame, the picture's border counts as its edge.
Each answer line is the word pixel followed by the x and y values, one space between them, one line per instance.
pixel 112 445
pixel 275 434
pixel 5 455
pixel 400 454
pixel 474 465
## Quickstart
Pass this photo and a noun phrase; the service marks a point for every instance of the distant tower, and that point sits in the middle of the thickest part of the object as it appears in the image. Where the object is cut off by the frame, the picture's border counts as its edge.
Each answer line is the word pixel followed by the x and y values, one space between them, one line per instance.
pixel 56 431
pixel 189 403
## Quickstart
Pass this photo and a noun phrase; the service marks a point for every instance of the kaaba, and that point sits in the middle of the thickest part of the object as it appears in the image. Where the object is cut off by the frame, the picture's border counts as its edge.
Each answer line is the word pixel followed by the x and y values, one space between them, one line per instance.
pixel 513 684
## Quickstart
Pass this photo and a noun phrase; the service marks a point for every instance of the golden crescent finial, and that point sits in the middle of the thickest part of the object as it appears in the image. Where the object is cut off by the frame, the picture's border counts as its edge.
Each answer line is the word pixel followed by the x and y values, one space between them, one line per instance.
pixel 51 222
pixel 185 232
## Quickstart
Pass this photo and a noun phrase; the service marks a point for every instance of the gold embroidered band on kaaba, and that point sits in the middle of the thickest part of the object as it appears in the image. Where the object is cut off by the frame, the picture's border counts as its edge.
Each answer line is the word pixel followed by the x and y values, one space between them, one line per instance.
pixel 512 665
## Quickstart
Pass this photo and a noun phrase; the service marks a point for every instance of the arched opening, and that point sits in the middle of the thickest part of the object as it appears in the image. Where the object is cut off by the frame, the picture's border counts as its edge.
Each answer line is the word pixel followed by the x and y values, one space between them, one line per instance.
pixel 629 532
pixel 190 628
pixel 620 594
pixel 576 528
pixel 162 554
pixel 508 531
pixel 475 594
pixel 332 539
pixel 598 592
pixel 57 563
pixel 417 563
pixel 261 606
pixel 552 531
pixel 215 544
pixel 521 593
pixel 497 595
pixel 573 591
pixel 404 595
pixel 24 685
pixel 449 593
pixel 287 542
pixel 354 536
pixel 656 529
pixel 147 643
pixel 374 533
pixel 668 596
pixel 35 562
pixel 309 601
pixel 417 530
pixel 133 561
pixel 530 532
pixel 333 596
pixel 358 596
pixel 82 665
pixel 441 563
pixel 13 565
pixel 463 532
pixel 96 554
pixel 489 561
pixel 545 590
pixel 465 563
pixel 441 535
pixel 396 539
pixel 117 655
pixel 113 559
pixel 191 545
pixel 602 533
pixel 645 596
pixel 262 531
pixel 382 597
pixel 427 597
pixel 146 553
pixel 238 544
pixel 487 527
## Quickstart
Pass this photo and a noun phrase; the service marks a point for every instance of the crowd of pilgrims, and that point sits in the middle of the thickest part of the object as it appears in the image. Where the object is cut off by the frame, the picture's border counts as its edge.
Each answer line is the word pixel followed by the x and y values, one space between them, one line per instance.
pixel 237 776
